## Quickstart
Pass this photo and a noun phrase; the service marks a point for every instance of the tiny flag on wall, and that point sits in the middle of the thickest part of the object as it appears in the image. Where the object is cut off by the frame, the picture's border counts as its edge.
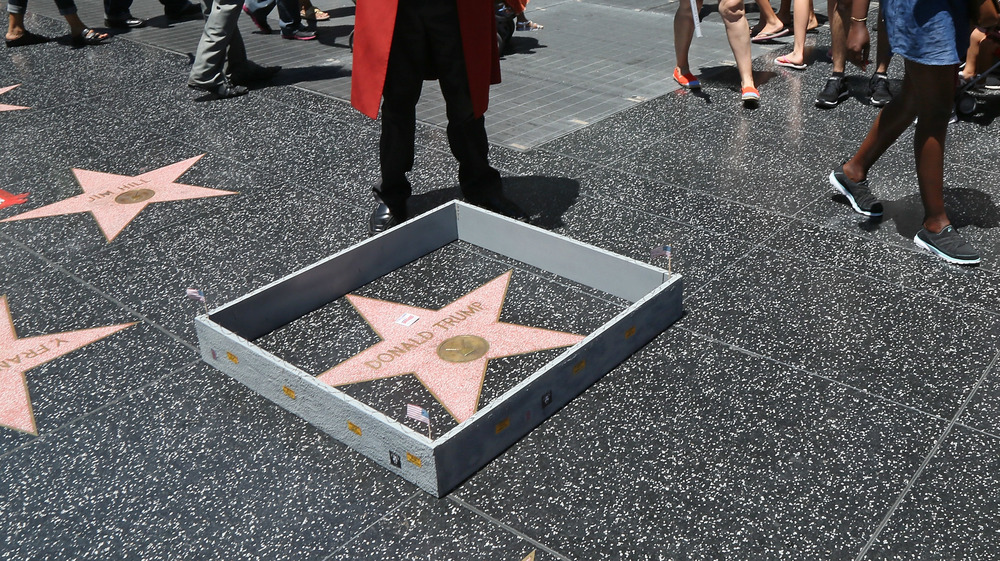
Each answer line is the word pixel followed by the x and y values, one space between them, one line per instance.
pixel 196 294
pixel 418 413
pixel 661 251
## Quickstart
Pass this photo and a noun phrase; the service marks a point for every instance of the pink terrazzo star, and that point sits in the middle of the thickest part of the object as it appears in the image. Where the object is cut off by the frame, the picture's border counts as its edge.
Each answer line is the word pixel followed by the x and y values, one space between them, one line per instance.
pixel 9 107
pixel 17 356
pixel 115 200
pixel 446 349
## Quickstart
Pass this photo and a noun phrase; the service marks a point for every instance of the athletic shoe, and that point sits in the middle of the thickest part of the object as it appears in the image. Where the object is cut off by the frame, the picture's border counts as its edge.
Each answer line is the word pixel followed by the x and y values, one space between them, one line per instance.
pixel 833 92
pixel 299 35
pixel 688 81
pixel 947 245
pixel 750 96
pixel 992 83
pixel 878 89
pixel 857 193
pixel 259 20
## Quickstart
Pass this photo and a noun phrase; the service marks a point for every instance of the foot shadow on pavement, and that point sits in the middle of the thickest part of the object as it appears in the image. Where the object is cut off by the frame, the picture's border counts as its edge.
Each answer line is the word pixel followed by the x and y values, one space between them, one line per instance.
pixel 965 207
pixel 545 199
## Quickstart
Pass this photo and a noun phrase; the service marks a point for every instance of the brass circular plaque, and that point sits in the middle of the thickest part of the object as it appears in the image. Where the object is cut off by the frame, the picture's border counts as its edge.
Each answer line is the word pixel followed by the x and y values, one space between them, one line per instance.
pixel 135 196
pixel 464 348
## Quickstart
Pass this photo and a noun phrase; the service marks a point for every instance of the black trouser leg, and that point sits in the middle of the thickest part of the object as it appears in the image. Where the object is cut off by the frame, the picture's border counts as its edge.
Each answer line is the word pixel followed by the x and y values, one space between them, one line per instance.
pixel 403 82
pixel 466 132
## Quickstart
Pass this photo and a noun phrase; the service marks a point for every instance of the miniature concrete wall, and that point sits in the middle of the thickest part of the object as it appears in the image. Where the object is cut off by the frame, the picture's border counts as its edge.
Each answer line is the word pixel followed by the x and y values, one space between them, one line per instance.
pixel 226 334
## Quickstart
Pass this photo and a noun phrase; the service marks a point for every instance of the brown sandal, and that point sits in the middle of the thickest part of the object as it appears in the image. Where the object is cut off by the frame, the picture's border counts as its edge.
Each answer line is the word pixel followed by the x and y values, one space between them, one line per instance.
pixel 314 14
pixel 89 37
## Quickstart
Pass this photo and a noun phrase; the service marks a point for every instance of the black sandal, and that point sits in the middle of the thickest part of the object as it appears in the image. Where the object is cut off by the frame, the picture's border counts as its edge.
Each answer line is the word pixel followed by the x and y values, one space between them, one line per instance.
pixel 89 37
pixel 28 38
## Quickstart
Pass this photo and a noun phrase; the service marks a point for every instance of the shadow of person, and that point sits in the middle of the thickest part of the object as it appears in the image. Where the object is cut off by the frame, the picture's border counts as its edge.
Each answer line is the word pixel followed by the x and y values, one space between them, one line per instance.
pixel 545 199
pixel 298 75
pixel 521 45
pixel 420 203
pixel 328 35
pixel 729 76
pixel 965 207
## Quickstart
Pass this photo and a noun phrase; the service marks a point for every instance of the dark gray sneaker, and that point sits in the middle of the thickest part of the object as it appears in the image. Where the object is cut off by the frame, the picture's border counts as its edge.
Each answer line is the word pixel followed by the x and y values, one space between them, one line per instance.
pixel 947 245
pixel 833 92
pixel 857 193
pixel 878 89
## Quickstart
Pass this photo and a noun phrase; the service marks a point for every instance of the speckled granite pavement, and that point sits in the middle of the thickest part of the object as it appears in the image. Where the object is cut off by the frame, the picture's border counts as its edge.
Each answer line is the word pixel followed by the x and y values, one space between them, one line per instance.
pixel 831 393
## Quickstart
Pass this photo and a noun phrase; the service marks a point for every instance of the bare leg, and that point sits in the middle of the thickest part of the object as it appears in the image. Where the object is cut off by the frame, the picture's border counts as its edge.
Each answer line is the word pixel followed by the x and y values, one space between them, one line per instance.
pixel 937 90
pixel 683 34
pixel 76 25
pixel 840 12
pixel 927 95
pixel 738 34
pixel 784 12
pixel 882 52
pixel 813 22
pixel 768 22
pixel 802 11
pixel 972 55
pixel 15 26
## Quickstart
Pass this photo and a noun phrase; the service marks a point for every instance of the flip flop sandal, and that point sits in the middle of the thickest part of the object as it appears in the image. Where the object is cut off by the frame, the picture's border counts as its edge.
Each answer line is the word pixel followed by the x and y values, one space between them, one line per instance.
pixel 761 37
pixel 783 61
pixel 89 37
pixel 314 14
pixel 527 26
pixel 28 38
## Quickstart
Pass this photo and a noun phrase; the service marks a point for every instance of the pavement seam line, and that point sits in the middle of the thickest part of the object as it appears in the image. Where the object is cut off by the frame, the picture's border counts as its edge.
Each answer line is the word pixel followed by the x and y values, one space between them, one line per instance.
pixel 128 309
pixel 508 528
pixel 811 373
pixel 923 466
pixel 387 514
pixel 102 407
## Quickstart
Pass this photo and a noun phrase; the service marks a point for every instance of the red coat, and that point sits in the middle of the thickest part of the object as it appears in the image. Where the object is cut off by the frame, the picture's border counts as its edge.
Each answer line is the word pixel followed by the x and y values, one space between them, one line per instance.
pixel 373 27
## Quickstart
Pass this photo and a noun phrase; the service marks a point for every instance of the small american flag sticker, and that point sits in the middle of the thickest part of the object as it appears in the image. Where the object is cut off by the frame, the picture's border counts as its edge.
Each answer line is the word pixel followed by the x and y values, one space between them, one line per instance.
pixel 660 251
pixel 195 294
pixel 418 413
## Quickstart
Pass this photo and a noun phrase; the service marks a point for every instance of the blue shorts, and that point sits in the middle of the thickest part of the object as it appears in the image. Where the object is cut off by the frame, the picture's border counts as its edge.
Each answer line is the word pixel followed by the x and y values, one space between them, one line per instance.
pixel 931 32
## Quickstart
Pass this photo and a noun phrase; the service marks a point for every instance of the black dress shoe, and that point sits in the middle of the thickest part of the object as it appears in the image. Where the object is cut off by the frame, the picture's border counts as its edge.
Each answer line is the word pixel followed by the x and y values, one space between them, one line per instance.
pixel 500 205
pixel 124 22
pixel 185 12
pixel 383 218
pixel 221 91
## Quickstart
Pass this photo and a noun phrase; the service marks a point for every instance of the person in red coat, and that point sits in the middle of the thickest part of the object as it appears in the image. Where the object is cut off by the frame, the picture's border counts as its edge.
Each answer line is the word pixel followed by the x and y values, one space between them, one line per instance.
pixel 398 44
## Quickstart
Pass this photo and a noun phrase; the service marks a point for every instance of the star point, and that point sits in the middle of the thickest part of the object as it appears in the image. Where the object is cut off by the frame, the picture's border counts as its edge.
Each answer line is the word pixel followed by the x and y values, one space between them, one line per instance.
pixel 9 107
pixel 115 200
pixel 447 349
pixel 18 355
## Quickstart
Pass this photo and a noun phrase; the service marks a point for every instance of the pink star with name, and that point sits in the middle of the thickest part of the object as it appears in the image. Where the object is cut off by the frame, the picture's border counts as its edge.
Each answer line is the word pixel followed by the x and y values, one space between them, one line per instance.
pixel 115 200
pixel 446 349
pixel 17 356
pixel 9 107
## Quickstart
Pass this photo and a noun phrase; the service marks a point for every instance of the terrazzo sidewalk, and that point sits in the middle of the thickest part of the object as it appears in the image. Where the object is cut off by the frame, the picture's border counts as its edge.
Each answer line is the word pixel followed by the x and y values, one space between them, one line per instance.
pixel 831 392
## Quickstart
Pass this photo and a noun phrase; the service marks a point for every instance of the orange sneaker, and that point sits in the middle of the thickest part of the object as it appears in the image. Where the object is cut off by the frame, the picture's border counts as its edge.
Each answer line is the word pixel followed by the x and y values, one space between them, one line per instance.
pixel 750 95
pixel 688 81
